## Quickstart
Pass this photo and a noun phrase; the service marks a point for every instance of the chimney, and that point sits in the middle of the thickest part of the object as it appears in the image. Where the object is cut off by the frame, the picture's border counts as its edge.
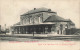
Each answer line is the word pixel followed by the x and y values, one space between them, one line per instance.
pixel 34 8
pixel 49 9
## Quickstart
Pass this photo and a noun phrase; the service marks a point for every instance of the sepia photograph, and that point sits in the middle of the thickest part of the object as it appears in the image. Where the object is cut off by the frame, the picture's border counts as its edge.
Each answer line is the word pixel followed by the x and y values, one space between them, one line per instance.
pixel 54 24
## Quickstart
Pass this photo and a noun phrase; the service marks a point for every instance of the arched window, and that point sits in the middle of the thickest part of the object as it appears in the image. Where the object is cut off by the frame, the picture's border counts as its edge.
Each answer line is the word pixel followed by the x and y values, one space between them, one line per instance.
pixel 61 27
pixel 67 25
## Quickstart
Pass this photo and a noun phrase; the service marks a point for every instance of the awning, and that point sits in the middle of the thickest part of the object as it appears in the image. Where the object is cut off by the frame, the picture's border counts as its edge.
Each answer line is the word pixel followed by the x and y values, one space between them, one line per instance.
pixel 48 23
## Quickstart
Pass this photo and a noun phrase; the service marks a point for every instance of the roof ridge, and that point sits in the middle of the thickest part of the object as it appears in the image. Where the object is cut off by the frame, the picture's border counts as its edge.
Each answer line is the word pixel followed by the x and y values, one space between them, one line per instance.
pixel 42 9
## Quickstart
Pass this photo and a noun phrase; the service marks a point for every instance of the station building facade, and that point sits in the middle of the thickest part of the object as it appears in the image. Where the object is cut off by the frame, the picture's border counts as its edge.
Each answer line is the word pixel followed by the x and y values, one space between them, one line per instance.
pixel 42 21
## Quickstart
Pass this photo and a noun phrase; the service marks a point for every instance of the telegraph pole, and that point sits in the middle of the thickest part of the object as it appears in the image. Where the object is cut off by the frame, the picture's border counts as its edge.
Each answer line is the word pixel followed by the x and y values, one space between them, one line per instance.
pixel 5 28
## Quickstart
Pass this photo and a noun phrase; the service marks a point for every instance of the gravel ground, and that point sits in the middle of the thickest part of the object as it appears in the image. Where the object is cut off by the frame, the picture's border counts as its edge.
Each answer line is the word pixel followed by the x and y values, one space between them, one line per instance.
pixel 38 38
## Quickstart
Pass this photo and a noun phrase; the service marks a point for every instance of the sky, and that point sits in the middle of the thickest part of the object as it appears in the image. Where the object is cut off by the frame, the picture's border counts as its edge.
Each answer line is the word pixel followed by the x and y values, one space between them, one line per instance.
pixel 10 10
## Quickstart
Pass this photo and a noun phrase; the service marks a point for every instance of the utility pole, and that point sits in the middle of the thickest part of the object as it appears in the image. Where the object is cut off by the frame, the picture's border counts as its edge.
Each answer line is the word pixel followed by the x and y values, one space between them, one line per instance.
pixel 0 28
pixel 5 28
pixel 33 31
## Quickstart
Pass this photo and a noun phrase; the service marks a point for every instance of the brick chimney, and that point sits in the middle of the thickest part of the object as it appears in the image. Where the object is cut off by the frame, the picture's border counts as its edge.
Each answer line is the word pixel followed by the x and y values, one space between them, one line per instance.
pixel 34 8
pixel 49 9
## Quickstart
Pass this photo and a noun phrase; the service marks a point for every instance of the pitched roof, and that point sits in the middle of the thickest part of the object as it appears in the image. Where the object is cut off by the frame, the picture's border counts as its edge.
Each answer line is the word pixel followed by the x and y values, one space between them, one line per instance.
pixel 55 18
pixel 35 10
